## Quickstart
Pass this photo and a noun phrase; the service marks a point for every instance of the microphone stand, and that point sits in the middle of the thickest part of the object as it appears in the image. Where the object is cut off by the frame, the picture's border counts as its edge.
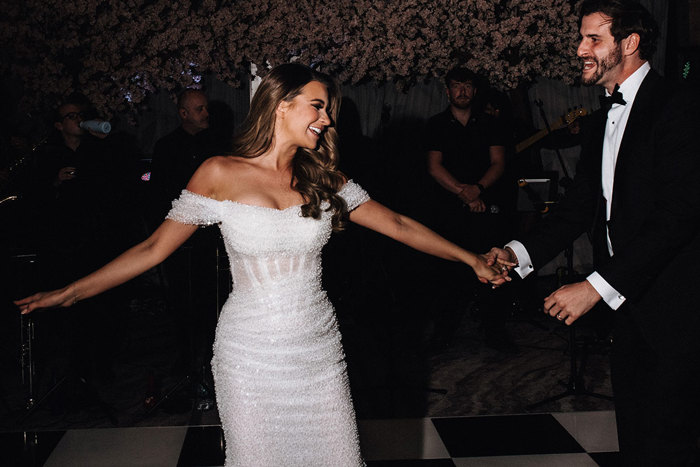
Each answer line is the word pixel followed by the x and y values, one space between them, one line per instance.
pixel 566 180
pixel 575 385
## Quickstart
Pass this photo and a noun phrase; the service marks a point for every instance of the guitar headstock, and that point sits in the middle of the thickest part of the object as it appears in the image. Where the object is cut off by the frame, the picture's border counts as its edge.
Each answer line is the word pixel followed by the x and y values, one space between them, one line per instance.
pixel 573 114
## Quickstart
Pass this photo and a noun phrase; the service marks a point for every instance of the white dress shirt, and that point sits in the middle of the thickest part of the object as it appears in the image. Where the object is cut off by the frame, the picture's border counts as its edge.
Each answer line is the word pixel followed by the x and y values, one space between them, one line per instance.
pixel 614 131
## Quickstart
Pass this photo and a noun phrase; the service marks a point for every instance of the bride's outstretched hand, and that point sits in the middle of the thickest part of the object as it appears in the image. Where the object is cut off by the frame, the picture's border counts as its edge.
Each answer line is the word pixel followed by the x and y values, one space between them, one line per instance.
pixel 496 274
pixel 55 298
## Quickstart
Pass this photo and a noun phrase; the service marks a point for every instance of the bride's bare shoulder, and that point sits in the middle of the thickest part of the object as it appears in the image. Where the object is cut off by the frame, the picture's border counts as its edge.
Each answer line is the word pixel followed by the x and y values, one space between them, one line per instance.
pixel 218 163
pixel 215 175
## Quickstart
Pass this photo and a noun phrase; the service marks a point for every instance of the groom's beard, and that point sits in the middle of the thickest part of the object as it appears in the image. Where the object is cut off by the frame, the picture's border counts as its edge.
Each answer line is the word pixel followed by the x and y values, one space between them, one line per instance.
pixel 603 65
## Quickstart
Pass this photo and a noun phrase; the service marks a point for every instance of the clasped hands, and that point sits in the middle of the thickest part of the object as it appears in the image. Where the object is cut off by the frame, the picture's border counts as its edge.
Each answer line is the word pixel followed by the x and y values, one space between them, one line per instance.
pixel 471 197
pixel 567 304
pixel 492 271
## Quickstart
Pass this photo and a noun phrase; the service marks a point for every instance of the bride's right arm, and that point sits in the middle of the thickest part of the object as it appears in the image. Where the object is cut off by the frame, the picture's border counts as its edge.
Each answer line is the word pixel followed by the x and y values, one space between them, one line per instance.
pixel 140 258
pixel 134 261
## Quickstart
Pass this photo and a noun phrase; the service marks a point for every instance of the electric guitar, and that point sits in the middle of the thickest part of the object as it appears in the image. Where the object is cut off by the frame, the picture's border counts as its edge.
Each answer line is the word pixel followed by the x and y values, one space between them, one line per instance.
pixel 565 120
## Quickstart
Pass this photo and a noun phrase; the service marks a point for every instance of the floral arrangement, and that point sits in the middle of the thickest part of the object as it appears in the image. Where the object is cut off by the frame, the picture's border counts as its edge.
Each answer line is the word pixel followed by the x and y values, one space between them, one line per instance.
pixel 117 51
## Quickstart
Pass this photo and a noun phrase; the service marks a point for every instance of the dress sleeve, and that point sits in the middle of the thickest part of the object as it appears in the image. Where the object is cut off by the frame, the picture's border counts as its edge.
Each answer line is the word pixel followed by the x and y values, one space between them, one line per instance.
pixel 353 194
pixel 191 208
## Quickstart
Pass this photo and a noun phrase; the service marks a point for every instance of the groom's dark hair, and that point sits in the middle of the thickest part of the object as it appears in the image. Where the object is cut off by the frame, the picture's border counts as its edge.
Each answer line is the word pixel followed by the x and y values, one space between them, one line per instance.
pixel 628 16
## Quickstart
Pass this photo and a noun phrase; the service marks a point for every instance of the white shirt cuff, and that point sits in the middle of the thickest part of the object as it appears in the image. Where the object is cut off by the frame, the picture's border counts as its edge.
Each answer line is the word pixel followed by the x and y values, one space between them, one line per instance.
pixel 525 266
pixel 611 296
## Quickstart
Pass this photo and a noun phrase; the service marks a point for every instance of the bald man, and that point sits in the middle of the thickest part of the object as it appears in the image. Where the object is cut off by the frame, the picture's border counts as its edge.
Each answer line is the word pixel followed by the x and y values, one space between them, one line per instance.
pixel 177 155
pixel 191 271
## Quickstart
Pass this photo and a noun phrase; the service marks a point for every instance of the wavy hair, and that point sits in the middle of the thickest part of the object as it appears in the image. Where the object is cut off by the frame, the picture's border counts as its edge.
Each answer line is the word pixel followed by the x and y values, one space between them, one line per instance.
pixel 314 171
pixel 628 16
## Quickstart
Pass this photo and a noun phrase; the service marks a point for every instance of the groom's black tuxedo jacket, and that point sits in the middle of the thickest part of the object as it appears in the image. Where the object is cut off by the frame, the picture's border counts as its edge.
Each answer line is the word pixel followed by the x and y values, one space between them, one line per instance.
pixel 654 216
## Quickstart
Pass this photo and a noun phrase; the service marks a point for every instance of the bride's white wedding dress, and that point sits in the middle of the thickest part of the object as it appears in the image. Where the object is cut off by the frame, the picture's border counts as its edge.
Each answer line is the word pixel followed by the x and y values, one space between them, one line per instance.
pixel 279 370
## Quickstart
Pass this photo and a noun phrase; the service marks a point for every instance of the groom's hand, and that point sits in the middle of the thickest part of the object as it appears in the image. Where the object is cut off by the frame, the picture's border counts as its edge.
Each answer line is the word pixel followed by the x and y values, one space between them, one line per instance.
pixel 502 258
pixel 571 301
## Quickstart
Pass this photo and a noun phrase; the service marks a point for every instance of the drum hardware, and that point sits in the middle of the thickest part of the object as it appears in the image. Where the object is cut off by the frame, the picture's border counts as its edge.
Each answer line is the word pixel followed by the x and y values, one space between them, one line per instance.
pixel 26 342
pixel 575 385
pixel 202 393
pixel 28 363
pixel 26 330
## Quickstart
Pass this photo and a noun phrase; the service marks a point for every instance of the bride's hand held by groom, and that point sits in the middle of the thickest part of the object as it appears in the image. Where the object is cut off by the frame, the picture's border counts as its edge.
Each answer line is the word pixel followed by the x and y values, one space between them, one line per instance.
pixel 493 271
pixel 503 260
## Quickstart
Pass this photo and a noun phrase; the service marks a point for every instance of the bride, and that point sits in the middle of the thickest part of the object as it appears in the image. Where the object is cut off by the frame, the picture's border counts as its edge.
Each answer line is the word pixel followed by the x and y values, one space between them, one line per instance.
pixel 279 370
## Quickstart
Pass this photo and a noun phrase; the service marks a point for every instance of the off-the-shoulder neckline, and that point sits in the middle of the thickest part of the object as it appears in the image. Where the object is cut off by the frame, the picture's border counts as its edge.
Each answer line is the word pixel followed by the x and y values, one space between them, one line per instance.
pixel 238 203
pixel 288 208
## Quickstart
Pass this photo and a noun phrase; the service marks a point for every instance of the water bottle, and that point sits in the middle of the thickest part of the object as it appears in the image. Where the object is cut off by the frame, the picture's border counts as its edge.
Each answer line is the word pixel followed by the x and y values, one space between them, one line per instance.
pixel 96 125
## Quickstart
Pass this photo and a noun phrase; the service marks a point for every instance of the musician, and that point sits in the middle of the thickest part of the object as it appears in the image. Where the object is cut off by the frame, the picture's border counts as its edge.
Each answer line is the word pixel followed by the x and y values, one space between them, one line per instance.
pixel 177 155
pixel 190 272
pixel 77 199
pixel 77 186
pixel 465 151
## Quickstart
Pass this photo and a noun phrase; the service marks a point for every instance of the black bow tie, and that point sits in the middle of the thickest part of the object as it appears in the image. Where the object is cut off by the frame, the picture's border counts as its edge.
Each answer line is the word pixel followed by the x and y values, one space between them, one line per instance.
pixel 615 98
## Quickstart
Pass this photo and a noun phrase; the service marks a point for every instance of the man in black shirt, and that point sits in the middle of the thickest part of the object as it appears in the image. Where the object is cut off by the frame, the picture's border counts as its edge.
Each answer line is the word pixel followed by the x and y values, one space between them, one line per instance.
pixel 177 155
pixel 466 158
pixel 78 196
pixel 190 272
pixel 79 187
pixel 466 150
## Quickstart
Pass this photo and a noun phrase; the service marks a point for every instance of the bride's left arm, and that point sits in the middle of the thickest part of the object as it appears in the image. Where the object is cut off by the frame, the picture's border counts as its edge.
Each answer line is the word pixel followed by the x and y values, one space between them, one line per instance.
pixel 379 218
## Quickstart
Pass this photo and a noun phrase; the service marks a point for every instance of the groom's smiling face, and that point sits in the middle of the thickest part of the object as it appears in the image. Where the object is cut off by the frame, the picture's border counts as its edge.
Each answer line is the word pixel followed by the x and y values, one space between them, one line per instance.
pixel 600 53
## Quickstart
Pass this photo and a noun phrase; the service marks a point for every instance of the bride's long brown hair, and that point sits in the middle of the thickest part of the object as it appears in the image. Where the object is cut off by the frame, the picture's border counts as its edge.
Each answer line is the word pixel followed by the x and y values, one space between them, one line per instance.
pixel 314 171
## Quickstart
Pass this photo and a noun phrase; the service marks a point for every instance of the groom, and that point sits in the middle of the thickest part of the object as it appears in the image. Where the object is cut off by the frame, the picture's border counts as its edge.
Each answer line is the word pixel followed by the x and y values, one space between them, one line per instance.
pixel 637 194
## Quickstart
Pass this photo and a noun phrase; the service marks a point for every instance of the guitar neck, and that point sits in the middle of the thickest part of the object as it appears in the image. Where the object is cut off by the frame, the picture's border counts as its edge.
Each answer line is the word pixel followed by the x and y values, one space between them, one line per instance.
pixel 531 140
pixel 566 120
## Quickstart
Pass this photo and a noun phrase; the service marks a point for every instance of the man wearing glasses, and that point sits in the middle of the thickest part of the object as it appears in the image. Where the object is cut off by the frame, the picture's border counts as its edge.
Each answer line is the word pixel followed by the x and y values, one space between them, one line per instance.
pixel 81 216
pixel 67 123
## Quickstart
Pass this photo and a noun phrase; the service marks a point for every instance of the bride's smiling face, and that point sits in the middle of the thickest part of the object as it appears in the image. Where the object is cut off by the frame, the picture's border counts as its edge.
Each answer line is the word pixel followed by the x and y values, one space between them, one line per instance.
pixel 303 120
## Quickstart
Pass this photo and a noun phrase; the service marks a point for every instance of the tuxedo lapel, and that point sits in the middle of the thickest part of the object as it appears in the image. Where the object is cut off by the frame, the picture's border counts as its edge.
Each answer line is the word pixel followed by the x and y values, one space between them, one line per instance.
pixel 596 154
pixel 637 132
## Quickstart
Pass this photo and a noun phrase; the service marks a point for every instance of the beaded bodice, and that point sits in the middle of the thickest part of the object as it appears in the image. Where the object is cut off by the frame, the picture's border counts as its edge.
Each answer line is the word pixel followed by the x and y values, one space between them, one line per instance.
pixel 267 247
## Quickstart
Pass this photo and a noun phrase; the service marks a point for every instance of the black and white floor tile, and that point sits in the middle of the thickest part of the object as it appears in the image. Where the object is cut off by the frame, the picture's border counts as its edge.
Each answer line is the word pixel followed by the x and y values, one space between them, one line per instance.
pixel 560 439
